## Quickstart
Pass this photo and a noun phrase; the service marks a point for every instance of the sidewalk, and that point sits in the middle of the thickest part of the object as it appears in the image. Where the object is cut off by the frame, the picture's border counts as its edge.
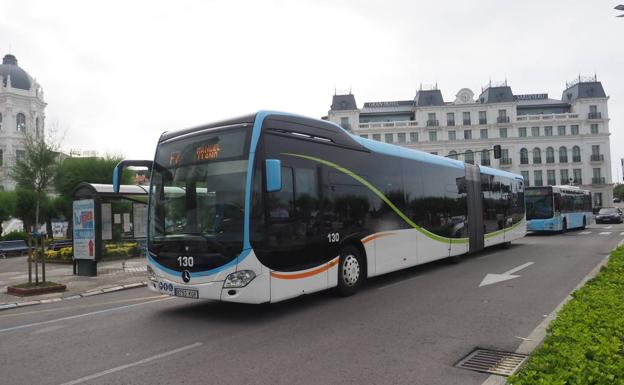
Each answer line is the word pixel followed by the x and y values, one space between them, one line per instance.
pixel 113 275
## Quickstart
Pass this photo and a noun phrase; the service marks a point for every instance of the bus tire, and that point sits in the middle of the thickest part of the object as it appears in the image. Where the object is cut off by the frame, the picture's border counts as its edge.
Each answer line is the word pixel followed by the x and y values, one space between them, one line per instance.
pixel 564 226
pixel 351 271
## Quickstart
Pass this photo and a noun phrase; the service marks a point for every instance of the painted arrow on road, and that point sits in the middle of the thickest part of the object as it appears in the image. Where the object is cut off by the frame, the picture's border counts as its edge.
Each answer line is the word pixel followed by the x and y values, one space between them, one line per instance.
pixel 496 278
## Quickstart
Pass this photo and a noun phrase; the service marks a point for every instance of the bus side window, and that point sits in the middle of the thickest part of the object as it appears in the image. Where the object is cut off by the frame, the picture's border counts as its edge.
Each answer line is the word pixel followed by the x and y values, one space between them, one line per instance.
pixel 281 203
pixel 558 202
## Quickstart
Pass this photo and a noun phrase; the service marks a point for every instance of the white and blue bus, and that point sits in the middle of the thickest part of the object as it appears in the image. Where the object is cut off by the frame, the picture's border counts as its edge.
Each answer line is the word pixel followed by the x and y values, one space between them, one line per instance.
pixel 271 206
pixel 557 208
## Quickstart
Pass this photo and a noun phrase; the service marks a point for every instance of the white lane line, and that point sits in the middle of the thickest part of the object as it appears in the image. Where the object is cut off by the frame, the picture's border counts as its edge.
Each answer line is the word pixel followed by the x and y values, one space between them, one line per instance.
pixel 123 367
pixel 607 227
pixel 605 233
pixel 585 232
pixel 24 326
pixel 622 233
pixel 398 282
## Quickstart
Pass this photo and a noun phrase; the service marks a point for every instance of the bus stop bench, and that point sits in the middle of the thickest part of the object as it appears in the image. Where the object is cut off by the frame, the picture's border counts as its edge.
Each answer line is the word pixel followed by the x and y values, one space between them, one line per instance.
pixel 57 245
pixel 13 247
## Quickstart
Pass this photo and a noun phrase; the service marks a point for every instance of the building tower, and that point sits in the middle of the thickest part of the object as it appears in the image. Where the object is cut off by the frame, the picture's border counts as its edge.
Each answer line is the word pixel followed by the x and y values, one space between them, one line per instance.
pixel 21 113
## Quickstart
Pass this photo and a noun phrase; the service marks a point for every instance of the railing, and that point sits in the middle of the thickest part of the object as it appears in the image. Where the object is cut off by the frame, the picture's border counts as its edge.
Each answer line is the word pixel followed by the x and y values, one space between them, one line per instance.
pixel 485 162
pixel 551 182
pixel 550 160
pixel 576 159
pixel 466 122
pixel 433 123
pixel 482 121
pixel 505 161
pixel 524 160
pixel 397 124
pixel 521 118
pixel 502 119
pixel 594 115
pixel 599 180
pixel 563 160
pixel 578 181
pixel 450 123
pixel 597 157
pixel 346 126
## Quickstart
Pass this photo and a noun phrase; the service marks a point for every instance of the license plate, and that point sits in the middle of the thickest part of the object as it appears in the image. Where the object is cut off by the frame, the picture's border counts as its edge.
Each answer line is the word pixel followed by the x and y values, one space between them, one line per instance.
pixel 186 293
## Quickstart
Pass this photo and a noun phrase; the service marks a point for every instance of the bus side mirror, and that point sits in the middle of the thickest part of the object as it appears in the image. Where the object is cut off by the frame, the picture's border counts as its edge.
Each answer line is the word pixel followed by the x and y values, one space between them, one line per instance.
pixel 273 175
pixel 128 163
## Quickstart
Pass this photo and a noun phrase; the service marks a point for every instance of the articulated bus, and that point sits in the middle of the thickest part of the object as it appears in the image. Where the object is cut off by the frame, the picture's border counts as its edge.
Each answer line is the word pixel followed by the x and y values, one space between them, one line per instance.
pixel 557 208
pixel 271 206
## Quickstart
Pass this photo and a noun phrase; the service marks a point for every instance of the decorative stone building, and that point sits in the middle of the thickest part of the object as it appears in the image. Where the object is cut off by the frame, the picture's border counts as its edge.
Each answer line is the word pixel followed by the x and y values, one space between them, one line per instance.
pixel 21 112
pixel 548 141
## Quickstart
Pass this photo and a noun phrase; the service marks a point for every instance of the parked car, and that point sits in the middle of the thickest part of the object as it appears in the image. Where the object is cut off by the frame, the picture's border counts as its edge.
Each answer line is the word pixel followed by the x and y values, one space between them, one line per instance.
pixel 610 215
pixel 616 200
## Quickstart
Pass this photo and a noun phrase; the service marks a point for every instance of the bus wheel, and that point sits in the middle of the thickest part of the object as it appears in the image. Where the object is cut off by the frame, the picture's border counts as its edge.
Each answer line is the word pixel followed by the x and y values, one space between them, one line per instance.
pixel 564 226
pixel 350 271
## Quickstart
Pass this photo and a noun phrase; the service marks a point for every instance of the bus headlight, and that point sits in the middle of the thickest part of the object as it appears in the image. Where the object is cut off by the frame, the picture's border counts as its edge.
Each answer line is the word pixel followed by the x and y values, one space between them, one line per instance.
pixel 239 279
pixel 151 274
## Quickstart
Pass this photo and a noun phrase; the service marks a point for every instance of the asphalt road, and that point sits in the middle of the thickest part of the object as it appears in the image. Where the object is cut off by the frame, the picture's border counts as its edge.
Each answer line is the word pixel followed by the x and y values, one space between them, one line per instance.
pixel 409 327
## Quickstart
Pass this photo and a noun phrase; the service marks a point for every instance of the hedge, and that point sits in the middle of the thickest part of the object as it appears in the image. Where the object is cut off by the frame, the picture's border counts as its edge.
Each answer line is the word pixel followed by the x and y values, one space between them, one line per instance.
pixel 128 249
pixel 585 343
pixel 15 236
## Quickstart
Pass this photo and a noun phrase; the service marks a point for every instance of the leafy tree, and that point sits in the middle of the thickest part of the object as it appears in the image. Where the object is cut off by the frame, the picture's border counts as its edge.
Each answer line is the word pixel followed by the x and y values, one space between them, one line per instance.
pixel 8 200
pixel 36 170
pixel 618 191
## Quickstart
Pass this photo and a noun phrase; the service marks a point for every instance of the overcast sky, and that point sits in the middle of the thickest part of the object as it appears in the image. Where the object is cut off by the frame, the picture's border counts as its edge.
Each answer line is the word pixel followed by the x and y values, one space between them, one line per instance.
pixel 118 73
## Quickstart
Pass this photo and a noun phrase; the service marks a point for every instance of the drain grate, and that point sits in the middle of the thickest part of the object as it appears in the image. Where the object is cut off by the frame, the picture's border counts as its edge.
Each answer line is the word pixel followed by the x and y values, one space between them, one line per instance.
pixel 492 361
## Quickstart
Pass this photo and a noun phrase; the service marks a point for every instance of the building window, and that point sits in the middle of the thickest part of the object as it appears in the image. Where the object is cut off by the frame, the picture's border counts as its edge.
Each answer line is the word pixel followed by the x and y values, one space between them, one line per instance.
pixel 550 155
pixel 561 130
pixel 537 177
pixel 597 177
pixel 522 132
pixel 564 177
pixel 485 157
pixel 563 154
pixel 1 158
pixel 595 155
pixel 433 136
pixel 467 134
pixel 377 137
pixel 413 137
pixel 401 137
pixel 431 120
pixel 525 176
pixel 483 133
pixel 344 122
pixel 389 138
pixel 502 132
pixel 524 156
pixel 0 122
pixel 482 117
pixel 548 131
pixel 593 113
pixel 20 155
pixel 469 157
pixel 576 154
pixel 537 155
pixel 550 177
pixel 505 156
pixel 574 129
pixel 578 176
pixel 365 136
pixel 535 131
pixel 452 154
pixel 502 116
pixel 466 118
pixel 452 135
pixel 597 199
pixel 594 129
pixel 20 122
pixel 450 118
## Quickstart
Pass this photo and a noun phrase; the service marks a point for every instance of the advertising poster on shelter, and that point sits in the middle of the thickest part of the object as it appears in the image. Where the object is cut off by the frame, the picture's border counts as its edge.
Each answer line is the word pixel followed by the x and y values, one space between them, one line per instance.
pixel 84 229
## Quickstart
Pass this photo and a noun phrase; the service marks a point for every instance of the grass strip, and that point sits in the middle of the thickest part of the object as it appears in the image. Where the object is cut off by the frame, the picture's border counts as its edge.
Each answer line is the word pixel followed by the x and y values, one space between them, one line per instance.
pixel 585 343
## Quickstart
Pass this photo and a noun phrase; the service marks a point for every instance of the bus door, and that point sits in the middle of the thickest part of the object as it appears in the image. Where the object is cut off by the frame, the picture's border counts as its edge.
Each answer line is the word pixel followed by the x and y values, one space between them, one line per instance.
pixel 475 208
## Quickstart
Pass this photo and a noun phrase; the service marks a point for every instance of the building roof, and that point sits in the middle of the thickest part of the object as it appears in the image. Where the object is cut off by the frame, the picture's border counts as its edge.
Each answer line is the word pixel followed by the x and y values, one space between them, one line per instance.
pixel 9 68
pixel 582 89
pixel 426 98
pixel 343 102
pixel 497 95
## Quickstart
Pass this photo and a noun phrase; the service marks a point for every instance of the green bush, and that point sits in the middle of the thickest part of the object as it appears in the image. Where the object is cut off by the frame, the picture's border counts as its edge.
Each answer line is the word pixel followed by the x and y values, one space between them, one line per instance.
pixel 585 344
pixel 15 236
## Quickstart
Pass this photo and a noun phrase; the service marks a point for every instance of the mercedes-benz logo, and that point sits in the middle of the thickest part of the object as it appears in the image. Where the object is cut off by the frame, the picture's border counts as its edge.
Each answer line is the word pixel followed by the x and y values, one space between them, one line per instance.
pixel 186 276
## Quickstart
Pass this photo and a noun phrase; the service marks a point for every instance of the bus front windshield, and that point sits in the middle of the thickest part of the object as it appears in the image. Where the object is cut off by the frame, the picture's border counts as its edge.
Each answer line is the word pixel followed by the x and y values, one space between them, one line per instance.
pixel 539 203
pixel 198 189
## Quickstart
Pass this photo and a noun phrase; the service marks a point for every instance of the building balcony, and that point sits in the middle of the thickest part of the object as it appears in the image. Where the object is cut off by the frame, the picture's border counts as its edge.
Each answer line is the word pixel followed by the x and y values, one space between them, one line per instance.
pixel 550 160
pixel 576 159
pixel 505 162
pixel 485 162
pixel 594 115
pixel 433 123
pixel 466 122
pixel 597 158
pixel 578 181
pixel 599 180
pixel 450 123
pixel 502 119
pixel 346 126
pixel 524 118
pixel 524 161
pixel 482 121
pixel 398 124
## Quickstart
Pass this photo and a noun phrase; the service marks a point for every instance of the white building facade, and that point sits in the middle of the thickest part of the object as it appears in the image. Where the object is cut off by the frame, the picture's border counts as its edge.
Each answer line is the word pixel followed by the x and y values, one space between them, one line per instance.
pixel 547 141
pixel 22 111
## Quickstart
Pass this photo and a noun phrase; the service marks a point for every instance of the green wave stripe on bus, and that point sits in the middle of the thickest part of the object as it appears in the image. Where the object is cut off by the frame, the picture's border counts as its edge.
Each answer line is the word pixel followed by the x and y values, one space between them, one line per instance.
pixel 381 195
pixel 506 229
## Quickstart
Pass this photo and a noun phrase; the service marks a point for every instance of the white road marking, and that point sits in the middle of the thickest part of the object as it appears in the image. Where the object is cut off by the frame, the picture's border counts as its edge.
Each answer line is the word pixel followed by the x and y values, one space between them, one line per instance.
pixel 24 326
pixel 585 232
pixel 397 282
pixel 605 233
pixel 607 227
pixel 495 278
pixel 123 367
pixel 622 233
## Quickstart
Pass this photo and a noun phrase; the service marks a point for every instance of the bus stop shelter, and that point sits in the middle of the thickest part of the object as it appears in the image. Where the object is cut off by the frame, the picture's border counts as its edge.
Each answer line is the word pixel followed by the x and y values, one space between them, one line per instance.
pixel 101 215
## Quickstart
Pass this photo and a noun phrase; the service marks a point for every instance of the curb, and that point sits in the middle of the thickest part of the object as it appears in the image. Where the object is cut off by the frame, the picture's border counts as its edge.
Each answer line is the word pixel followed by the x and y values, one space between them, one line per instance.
pixel 112 289
pixel 538 334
